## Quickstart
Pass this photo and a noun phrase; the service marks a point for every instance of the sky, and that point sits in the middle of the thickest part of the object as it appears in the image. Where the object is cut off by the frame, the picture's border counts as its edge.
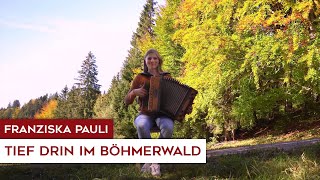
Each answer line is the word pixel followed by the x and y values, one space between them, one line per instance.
pixel 44 42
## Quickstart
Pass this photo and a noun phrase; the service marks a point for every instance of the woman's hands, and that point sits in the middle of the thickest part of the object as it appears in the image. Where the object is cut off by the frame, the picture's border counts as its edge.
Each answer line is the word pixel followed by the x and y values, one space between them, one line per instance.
pixel 141 92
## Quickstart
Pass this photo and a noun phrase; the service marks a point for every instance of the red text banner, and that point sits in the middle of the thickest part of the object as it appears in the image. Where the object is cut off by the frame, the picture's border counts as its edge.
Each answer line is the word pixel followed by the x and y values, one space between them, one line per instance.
pixel 56 129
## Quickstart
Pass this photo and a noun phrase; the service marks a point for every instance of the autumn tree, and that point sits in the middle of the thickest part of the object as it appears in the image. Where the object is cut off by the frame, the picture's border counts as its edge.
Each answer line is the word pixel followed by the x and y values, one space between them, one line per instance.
pixel 29 109
pixel 47 111
pixel 248 59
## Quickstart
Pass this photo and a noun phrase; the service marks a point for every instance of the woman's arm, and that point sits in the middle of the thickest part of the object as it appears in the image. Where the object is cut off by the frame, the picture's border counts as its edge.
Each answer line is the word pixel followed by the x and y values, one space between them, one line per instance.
pixel 135 90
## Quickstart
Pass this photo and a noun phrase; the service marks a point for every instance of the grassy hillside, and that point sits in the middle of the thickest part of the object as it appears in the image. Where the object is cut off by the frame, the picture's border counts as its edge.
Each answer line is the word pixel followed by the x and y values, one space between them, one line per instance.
pixel 273 131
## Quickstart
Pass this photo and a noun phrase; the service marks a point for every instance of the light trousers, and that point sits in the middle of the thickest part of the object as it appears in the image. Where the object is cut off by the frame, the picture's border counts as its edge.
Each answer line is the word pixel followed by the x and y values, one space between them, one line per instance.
pixel 144 123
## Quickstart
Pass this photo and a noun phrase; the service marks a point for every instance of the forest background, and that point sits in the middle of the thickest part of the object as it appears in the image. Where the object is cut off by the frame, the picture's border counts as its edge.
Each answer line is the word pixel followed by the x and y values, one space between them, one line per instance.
pixel 252 62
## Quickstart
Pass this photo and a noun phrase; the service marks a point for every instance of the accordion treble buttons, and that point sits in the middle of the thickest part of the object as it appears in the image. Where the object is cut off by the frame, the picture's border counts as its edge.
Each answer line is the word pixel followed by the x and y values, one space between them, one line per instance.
pixel 170 97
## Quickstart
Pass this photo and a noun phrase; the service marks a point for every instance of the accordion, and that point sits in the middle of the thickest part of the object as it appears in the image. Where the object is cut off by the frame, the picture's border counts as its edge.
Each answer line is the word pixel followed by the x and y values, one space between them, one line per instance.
pixel 170 97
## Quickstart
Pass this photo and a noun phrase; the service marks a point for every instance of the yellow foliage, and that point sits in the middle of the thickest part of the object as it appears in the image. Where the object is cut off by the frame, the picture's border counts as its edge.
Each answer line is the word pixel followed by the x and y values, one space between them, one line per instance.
pixel 15 113
pixel 145 43
pixel 136 71
pixel 47 110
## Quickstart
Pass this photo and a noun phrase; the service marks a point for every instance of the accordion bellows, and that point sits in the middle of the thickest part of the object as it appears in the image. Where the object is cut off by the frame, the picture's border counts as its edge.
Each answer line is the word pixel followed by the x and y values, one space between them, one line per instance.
pixel 170 97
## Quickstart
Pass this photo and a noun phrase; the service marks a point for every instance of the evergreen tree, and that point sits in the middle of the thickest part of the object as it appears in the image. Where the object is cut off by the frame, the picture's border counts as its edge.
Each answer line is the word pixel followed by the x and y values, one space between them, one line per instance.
pixel 147 20
pixel 16 104
pixel 61 111
pixel 70 104
pixel 75 104
pixel 134 62
pixel 89 89
pixel 32 107
pixel 64 93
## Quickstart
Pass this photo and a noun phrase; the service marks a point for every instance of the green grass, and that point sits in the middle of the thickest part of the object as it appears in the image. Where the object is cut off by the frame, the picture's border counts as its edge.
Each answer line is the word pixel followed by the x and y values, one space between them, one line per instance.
pixel 266 139
pixel 300 130
pixel 298 164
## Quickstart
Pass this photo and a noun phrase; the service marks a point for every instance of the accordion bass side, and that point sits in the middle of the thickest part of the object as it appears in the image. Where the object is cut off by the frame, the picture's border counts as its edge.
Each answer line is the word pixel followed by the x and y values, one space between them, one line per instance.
pixel 170 97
